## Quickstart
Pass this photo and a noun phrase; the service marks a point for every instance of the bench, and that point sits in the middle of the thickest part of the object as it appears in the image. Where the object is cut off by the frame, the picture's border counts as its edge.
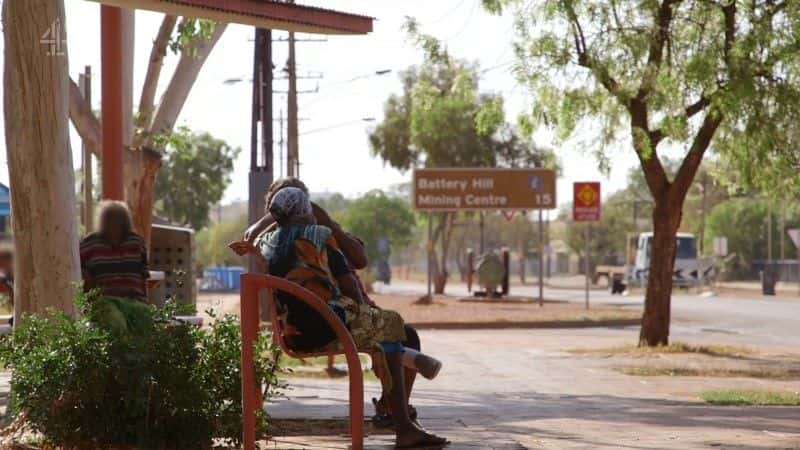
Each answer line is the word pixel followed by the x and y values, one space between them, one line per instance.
pixel 251 285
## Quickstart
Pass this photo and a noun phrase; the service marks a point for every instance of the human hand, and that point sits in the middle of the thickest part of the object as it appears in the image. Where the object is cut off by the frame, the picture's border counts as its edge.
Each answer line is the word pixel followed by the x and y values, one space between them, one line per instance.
pixel 254 231
pixel 322 216
pixel 242 248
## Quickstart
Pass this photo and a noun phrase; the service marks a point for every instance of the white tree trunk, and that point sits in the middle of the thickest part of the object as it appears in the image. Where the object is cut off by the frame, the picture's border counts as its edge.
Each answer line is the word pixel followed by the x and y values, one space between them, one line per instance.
pixel 143 163
pixel 36 90
pixel 128 50
pixel 157 54
pixel 183 79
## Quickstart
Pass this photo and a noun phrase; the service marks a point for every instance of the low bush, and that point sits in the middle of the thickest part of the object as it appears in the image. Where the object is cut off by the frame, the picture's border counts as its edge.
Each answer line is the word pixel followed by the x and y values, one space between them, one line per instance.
pixel 126 375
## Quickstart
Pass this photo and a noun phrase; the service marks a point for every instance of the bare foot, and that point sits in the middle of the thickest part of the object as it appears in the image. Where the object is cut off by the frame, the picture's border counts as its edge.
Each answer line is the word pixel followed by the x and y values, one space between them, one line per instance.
pixel 416 437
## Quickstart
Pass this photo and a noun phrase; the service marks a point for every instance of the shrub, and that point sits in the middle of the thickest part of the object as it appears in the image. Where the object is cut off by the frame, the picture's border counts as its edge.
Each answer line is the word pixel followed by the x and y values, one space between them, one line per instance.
pixel 126 375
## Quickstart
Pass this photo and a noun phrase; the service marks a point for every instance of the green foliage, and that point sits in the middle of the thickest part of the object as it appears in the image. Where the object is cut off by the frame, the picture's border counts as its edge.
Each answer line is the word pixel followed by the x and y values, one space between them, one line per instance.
pixel 375 216
pixel 127 375
pixel 212 243
pixel 190 31
pixel 744 222
pixel 608 236
pixel 687 71
pixel 443 120
pixel 735 397
pixel 195 172
pixel 335 205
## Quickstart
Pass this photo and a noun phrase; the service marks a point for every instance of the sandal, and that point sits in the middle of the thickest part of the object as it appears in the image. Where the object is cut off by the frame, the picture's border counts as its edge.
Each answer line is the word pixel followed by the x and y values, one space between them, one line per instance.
pixel 383 419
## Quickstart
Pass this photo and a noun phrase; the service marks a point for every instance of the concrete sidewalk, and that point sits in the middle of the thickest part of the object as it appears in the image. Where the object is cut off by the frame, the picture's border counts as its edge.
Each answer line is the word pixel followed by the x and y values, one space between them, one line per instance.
pixel 516 389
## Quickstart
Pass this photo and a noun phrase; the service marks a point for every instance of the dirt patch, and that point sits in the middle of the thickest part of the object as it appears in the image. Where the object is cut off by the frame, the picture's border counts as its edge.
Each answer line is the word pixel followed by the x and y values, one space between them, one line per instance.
pixel 707 361
pixel 674 348
pixel 774 373
pixel 452 313
pixel 318 427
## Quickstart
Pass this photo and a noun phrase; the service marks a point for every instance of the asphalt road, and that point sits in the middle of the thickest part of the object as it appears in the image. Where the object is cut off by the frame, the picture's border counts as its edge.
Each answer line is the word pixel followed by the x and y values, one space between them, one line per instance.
pixel 756 321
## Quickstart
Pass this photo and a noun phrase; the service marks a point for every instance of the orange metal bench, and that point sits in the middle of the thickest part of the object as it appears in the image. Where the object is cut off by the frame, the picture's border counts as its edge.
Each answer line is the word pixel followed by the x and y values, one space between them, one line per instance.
pixel 251 286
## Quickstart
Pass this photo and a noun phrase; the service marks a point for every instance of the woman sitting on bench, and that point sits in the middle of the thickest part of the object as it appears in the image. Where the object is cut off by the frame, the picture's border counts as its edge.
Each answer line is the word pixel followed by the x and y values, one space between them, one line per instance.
pixel 305 253
pixel 353 250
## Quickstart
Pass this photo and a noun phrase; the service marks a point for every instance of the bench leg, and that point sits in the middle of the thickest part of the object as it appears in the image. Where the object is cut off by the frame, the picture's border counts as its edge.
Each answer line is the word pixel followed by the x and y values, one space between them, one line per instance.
pixel 356 398
pixel 250 391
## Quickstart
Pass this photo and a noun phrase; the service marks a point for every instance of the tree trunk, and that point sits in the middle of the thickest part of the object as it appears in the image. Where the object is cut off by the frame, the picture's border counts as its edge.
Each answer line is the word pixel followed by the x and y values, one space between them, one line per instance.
pixel 440 280
pixel 656 318
pixel 36 88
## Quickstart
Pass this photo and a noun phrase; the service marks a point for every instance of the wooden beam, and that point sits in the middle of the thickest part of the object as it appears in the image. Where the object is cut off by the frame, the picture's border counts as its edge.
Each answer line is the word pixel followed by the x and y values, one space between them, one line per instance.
pixel 258 13
pixel 111 101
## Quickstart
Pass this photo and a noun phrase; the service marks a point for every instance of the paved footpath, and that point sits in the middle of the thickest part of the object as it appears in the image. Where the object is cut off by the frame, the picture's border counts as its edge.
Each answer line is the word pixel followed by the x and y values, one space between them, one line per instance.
pixel 518 389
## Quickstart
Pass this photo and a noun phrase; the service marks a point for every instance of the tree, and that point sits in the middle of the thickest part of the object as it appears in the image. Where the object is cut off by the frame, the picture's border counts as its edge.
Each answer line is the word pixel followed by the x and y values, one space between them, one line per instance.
pixel 196 171
pixel 192 40
pixel 744 222
pixel 335 204
pixel 678 73
pixel 443 120
pixel 376 216
pixel 608 236
pixel 35 86
pixel 212 243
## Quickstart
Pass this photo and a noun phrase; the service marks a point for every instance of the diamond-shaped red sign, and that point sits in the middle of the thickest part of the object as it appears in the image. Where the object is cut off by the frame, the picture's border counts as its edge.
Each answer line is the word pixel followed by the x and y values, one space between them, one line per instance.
pixel 586 202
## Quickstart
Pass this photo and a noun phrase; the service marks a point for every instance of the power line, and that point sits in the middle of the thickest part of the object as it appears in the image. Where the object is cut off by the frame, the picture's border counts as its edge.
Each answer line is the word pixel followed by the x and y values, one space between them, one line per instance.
pixel 466 24
pixel 448 13
pixel 495 67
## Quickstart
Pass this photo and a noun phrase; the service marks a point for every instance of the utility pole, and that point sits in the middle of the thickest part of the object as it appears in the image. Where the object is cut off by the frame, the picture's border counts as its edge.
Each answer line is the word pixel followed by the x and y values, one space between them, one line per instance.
pixel 281 143
pixel 769 232
pixel 292 150
pixel 782 231
pixel 85 82
pixel 261 170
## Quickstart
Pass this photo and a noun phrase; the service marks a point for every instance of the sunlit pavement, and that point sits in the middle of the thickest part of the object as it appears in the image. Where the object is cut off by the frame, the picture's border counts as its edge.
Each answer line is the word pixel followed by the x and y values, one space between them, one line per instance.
pixel 520 389
pixel 514 389
pixel 756 321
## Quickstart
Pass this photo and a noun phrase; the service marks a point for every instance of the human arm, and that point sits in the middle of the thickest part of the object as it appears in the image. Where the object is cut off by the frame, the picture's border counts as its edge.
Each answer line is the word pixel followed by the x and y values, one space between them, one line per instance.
pixel 343 274
pixel 352 248
pixel 255 230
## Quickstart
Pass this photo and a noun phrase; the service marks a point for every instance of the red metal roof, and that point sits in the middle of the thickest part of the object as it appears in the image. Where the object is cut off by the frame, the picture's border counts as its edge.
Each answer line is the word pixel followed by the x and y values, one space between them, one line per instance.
pixel 260 13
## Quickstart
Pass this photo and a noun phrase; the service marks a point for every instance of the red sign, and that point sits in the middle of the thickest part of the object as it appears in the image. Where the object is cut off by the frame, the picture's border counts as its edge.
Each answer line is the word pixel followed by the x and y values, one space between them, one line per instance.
pixel 586 202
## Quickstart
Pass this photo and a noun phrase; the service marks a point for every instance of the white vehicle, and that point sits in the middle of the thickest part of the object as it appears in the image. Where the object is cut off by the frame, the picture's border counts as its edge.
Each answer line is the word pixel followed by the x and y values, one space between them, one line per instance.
pixel 689 270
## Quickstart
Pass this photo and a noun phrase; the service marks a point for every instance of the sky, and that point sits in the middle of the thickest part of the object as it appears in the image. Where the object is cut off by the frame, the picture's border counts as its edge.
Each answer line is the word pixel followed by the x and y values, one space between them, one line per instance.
pixel 337 159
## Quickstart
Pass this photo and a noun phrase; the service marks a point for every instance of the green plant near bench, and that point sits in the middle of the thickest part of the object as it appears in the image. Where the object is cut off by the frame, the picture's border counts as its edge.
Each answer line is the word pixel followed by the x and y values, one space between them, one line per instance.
pixel 124 375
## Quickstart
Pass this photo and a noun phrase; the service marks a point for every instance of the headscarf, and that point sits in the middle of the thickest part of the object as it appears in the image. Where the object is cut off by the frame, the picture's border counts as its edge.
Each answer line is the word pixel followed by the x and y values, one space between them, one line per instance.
pixel 291 208
pixel 291 205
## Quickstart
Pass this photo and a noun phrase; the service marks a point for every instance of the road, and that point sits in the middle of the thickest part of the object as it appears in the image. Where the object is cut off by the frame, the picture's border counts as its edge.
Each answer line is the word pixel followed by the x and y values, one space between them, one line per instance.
pixel 754 321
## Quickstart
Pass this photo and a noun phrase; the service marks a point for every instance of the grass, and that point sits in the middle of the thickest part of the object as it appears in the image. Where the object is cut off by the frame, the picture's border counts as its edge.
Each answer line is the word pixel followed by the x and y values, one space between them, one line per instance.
pixel 315 367
pixel 728 351
pixel 770 373
pixel 733 397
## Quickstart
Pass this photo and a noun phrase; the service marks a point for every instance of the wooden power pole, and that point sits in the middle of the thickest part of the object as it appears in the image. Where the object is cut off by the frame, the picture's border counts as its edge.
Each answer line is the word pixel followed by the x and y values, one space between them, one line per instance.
pixel 292 150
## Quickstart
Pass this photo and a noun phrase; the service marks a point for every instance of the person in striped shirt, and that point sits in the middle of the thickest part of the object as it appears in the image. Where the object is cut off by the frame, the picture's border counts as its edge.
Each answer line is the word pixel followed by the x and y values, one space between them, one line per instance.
pixel 114 258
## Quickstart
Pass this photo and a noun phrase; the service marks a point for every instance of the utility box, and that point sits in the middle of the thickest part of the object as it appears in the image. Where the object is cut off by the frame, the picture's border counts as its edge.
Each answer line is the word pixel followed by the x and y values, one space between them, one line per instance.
pixel 172 252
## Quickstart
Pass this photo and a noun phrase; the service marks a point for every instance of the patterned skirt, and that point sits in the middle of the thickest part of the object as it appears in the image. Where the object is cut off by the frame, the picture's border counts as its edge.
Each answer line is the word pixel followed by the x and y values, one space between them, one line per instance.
pixel 370 327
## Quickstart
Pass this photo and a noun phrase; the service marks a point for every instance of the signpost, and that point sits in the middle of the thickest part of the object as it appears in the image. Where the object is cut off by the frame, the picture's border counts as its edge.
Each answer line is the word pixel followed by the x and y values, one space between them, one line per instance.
pixel 481 189
pixel 586 208
pixel 484 189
